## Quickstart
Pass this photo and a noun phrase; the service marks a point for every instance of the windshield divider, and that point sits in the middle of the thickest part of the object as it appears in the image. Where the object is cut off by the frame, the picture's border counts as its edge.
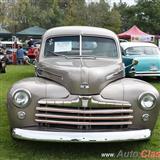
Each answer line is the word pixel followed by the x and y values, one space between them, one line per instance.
pixel 80 45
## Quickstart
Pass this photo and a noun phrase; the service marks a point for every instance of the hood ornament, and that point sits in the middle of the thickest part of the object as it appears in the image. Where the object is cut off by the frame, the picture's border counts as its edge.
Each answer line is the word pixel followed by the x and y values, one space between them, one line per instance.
pixel 84 85
pixel 84 101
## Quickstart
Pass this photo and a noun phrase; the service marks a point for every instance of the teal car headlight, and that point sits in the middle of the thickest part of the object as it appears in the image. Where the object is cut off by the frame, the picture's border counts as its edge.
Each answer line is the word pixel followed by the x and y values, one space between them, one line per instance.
pixel 147 101
pixel 21 98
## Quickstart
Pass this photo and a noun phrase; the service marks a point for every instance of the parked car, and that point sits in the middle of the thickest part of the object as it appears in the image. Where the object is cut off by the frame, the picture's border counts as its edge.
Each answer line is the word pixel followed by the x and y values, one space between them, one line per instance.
pixel 9 44
pixel 10 49
pixel 9 55
pixel 147 55
pixel 80 93
pixel 2 62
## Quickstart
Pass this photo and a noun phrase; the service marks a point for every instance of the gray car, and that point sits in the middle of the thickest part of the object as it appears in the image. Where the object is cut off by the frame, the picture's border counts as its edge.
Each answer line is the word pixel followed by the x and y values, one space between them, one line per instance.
pixel 80 93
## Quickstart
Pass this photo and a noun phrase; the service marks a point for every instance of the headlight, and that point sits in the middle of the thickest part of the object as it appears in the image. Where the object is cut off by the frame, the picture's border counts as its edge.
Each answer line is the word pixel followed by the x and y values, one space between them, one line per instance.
pixel 147 101
pixel 21 98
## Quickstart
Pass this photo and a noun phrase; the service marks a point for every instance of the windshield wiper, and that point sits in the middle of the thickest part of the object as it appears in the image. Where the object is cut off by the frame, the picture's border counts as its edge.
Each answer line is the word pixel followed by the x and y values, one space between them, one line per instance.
pixel 83 56
pixel 57 54
pixel 71 57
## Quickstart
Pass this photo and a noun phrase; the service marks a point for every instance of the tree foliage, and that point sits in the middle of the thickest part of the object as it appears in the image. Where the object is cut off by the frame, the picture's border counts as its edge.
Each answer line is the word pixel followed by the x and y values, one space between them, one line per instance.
pixel 145 14
pixel 93 14
pixel 74 13
pixel 127 15
pixel 148 15
pixel 51 13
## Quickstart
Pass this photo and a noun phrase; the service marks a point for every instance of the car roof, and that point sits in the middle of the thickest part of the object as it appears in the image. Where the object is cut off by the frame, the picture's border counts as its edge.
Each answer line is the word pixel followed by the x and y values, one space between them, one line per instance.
pixel 126 45
pixel 9 42
pixel 79 30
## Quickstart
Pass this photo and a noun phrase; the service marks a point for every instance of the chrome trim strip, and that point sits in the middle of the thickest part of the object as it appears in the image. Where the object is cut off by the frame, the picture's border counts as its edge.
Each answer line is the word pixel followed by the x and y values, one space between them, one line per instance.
pixel 82 123
pixel 80 45
pixel 84 117
pixel 147 73
pixel 78 101
pixel 112 103
pixel 81 136
pixel 150 72
pixel 52 102
pixel 98 111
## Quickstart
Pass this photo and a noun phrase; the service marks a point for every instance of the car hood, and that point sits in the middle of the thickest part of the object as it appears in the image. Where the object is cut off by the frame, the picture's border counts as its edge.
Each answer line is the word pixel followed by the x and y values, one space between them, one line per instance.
pixel 147 63
pixel 82 75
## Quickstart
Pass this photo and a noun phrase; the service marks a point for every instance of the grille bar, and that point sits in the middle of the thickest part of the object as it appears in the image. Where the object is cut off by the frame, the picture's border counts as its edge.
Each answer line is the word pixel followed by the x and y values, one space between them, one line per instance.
pixel 84 117
pixel 97 111
pixel 81 123
pixel 78 102
pixel 57 102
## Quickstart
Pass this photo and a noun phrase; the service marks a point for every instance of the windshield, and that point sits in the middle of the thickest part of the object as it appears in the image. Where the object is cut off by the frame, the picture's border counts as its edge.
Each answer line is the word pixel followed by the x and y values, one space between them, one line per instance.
pixel 90 46
pixel 142 50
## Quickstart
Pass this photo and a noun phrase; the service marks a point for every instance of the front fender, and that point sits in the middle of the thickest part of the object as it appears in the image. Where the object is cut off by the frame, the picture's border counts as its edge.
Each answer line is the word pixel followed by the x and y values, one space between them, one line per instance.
pixel 38 88
pixel 128 89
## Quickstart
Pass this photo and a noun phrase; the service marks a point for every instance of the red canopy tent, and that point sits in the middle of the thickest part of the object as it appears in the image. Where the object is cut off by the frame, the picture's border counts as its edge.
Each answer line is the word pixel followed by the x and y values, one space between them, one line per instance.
pixel 135 34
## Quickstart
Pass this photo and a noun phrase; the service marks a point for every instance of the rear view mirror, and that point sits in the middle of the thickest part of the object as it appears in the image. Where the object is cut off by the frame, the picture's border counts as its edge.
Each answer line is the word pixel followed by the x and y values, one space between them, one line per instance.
pixel 131 68
pixel 134 62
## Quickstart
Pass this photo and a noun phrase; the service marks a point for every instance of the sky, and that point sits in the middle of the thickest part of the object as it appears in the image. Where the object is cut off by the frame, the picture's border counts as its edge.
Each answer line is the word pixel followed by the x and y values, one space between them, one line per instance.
pixel 129 2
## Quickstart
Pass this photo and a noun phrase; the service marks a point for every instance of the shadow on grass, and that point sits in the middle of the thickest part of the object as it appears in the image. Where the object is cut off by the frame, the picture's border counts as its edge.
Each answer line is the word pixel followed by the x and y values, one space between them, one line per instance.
pixel 80 149
pixel 150 79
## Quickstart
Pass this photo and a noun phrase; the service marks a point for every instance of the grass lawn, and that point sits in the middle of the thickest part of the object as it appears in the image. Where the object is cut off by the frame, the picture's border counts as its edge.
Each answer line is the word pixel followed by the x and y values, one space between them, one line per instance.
pixel 27 150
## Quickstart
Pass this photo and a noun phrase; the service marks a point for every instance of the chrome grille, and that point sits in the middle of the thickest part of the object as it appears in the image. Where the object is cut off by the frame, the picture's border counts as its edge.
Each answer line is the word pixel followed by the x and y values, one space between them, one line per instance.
pixel 72 115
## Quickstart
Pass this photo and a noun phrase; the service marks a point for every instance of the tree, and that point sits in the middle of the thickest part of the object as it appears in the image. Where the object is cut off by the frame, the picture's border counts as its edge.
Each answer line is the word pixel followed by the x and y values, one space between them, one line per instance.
pixel 100 15
pixel 51 13
pixel 128 16
pixel 145 14
pixel 148 15
pixel 5 20
pixel 74 14
pixel 26 13
pixel 22 15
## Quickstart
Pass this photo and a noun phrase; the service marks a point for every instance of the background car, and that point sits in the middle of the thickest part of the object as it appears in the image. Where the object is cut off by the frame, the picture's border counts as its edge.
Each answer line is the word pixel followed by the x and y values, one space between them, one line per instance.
pixel 9 55
pixel 2 63
pixel 9 50
pixel 148 56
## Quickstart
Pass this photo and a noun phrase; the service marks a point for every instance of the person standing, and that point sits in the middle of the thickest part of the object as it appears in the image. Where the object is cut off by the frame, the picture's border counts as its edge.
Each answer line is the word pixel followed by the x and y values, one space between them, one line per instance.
pixel 20 55
pixel 30 43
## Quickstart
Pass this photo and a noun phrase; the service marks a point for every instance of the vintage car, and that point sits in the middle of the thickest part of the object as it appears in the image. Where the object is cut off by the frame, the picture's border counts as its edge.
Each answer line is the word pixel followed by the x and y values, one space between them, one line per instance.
pixel 147 55
pixel 80 93
pixel 2 62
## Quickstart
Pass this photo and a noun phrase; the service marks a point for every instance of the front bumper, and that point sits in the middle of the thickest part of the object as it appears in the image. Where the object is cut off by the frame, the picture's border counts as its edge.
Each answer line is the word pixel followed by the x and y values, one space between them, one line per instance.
pixel 81 136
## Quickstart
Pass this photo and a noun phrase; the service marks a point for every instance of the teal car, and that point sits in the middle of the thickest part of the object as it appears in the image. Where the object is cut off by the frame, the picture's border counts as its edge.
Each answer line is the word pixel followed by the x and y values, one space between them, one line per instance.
pixel 147 55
